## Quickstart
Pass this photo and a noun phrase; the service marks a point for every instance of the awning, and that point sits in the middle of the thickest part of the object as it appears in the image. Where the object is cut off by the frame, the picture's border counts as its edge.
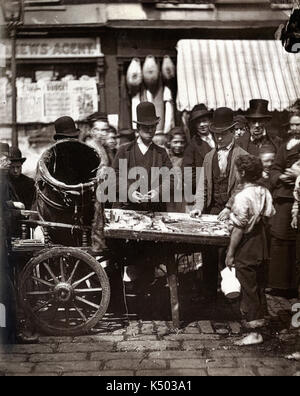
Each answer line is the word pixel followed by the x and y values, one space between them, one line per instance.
pixel 231 72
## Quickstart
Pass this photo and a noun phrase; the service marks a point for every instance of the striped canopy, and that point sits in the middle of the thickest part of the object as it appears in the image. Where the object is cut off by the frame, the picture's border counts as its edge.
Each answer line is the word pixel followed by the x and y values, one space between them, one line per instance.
pixel 232 72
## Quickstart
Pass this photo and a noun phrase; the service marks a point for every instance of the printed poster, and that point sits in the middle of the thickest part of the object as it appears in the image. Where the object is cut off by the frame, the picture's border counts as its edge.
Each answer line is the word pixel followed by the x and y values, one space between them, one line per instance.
pixel 84 98
pixel 30 103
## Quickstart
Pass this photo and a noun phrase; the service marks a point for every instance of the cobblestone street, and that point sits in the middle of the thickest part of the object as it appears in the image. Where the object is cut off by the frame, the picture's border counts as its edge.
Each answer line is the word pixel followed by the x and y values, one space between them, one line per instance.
pixel 153 348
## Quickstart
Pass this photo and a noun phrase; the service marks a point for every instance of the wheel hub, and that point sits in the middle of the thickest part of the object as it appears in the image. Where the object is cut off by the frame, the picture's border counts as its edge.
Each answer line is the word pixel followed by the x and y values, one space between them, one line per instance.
pixel 63 292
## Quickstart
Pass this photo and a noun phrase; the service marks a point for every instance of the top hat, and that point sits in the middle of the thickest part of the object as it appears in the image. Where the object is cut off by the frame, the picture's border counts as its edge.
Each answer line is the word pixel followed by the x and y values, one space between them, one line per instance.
pixel 222 120
pixel 258 109
pixel 65 127
pixel 15 155
pixel 146 114
pixel 4 149
pixel 200 111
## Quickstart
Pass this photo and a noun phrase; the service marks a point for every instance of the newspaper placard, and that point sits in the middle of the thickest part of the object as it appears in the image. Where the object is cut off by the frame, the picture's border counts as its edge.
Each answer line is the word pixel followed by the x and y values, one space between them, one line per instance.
pixel 5 102
pixel 30 103
pixel 84 98
pixel 57 100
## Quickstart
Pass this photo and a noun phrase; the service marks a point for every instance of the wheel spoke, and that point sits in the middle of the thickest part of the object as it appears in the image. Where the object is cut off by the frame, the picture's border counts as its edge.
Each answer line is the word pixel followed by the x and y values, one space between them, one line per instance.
pixel 88 290
pixel 83 300
pixel 83 279
pixel 36 309
pixel 73 272
pixel 51 273
pixel 80 313
pixel 42 281
pixel 62 272
pixel 39 293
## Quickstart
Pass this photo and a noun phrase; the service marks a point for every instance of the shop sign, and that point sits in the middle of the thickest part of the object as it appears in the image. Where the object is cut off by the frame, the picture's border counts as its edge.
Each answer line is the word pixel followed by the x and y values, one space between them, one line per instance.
pixel 55 48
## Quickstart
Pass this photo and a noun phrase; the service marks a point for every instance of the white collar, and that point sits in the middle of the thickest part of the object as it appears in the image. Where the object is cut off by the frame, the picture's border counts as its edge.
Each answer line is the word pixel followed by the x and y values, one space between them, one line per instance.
pixel 142 146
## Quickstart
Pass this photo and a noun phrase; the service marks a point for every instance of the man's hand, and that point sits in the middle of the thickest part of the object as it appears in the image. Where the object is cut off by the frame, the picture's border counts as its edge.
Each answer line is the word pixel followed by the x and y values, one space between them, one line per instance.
pixel 152 195
pixel 195 213
pixel 137 197
pixel 224 215
pixel 295 223
pixel 229 261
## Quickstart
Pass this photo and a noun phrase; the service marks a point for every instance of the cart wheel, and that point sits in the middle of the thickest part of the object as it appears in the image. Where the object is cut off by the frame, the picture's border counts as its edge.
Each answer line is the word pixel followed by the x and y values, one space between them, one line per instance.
pixel 65 291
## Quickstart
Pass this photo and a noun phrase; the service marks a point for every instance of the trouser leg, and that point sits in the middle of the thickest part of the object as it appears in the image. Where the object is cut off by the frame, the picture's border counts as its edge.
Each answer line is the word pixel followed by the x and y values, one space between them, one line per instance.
pixel 253 302
pixel 210 256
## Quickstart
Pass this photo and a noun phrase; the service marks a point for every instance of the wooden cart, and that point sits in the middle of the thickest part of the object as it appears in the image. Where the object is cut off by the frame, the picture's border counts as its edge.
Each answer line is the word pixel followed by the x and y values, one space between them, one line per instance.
pixel 65 290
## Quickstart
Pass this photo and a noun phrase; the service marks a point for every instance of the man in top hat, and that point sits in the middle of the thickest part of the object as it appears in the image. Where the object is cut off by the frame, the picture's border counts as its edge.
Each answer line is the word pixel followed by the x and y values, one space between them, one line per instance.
pixel 202 141
pixel 65 128
pixel 258 118
pixel 23 185
pixel 142 153
pixel 220 183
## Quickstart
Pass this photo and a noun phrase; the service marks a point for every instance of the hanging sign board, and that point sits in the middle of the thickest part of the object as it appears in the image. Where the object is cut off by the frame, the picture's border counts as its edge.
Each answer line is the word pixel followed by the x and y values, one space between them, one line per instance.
pixel 87 47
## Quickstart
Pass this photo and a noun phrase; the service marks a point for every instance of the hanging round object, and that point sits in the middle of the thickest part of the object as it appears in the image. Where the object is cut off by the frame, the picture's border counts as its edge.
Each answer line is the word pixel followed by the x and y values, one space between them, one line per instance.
pixel 134 76
pixel 168 69
pixel 151 74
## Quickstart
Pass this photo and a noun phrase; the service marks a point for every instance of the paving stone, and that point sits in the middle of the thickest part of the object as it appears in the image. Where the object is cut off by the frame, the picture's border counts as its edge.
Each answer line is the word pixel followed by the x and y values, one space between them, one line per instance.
pixel 168 355
pixel 98 338
pixel 135 364
pixel 140 346
pixel 206 327
pixel 186 337
pixel 94 347
pixel 232 372
pixel 147 328
pixel 117 355
pixel 235 327
pixel 221 362
pixel 191 330
pixel 265 361
pixel 13 358
pixel 16 367
pixel 54 340
pixel 222 331
pixel 32 375
pixel 172 373
pixel 20 349
pixel 274 372
pixel 62 367
pixel 58 357
pixel 188 363
pixel 106 373
pixel 142 337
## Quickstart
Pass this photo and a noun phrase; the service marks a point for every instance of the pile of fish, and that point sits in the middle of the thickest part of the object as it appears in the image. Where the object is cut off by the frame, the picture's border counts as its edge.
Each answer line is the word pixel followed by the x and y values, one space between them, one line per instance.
pixel 165 223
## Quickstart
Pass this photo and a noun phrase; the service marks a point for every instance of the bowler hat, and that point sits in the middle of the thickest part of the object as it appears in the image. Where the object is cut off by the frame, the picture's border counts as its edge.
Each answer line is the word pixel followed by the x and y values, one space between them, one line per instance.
pixel 146 114
pixel 15 155
pixel 222 120
pixel 65 127
pixel 200 111
pixel 258 109
pixel 4 149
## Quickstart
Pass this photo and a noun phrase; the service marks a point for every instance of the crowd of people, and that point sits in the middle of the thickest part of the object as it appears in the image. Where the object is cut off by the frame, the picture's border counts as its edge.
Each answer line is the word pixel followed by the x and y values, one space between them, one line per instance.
pixel 250 177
